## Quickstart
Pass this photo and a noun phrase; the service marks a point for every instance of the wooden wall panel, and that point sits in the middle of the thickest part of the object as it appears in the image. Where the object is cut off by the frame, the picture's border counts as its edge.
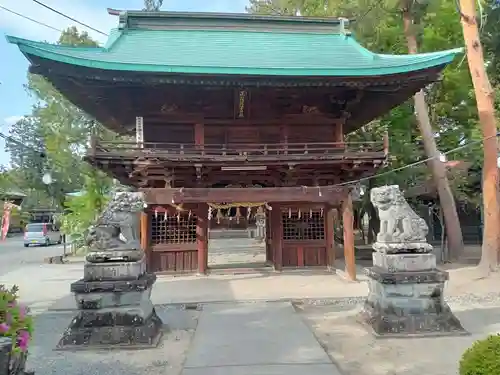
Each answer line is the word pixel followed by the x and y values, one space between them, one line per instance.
pixel 315 257
pixel 169 133
pixel 215 135
pixel 305 254
pixel 184 261
pixel 311 133
pixel 290 258
pixel 218 134
pixel 243 134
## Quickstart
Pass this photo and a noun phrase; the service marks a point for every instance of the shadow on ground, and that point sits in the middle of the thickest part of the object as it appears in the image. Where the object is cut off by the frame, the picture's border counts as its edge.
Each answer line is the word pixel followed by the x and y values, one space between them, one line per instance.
pixel 358 352
pixel 167 358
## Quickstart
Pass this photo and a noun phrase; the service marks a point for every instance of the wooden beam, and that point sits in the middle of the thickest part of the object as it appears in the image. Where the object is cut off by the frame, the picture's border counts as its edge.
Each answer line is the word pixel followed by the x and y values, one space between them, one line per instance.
pixel 320 194
pixel 144 237
pixel 330 238
pixel 144 231
pixel 277 237
pixel 199 134
pixel 338 132
pixel 348 223
pixel 197 118
pixel 267 238
pixel 202 238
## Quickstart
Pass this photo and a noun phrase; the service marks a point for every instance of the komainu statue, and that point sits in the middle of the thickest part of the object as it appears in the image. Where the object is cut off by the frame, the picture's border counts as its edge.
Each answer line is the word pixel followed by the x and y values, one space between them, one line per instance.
pixel 398 222
pixel 117 228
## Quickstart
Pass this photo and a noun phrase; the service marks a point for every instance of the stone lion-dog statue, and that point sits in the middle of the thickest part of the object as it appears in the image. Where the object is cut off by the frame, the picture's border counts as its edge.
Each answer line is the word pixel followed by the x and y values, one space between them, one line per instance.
pixel 398 222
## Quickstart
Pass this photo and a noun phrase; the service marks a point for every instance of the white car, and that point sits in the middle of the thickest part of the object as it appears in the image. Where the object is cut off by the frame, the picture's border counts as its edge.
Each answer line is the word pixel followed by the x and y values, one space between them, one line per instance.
pixel 43 234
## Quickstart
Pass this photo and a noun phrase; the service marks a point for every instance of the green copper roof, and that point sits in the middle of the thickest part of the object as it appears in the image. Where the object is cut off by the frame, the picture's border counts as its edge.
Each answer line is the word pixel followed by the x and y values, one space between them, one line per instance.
pixel 203 48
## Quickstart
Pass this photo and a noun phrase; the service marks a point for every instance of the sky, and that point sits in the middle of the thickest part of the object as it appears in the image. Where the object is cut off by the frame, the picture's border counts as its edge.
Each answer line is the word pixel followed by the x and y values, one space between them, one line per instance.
pixel 14 100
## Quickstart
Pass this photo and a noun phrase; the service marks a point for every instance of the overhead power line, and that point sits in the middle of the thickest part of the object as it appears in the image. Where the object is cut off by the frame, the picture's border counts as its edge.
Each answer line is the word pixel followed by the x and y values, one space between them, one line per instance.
pixel 30 19
pixel 70 18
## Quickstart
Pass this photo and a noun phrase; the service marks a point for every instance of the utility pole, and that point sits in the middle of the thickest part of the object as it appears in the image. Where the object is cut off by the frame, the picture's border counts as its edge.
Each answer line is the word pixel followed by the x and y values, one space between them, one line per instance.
pixel 485 106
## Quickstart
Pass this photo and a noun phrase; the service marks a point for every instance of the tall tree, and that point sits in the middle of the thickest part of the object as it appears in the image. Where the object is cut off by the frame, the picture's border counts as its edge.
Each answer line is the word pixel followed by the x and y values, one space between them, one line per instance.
pixel 53 138
pixel 378 27
pixel 152 5
pixel 485 98
pixel 411 14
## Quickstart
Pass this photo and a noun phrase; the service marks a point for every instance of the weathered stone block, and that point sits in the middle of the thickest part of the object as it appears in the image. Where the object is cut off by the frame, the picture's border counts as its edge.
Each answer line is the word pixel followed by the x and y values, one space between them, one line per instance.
pixel 146 333
pixel 100 300
pixel 114 271
pixel 144 282
pixel 411 277
pixel 402 248
pixel 386 323
pixel 114 316
pixel 407 303
pixel 404 262
pixel 99 256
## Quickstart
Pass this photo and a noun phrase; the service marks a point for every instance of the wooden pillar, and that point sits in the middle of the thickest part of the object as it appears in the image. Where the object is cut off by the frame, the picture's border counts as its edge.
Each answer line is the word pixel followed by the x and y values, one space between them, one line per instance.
pixel 202 238
pixel 267 238
pixel 330 239
pixel 339 133
pixel 277 237
pixel 348 223
pixel 199 134
pixel 144 236
pixel 284 136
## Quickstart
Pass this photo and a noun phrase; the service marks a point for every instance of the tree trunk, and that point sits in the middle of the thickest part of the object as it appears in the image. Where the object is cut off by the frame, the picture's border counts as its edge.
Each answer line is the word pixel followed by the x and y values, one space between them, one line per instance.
pixel 438 169
pixel 485 106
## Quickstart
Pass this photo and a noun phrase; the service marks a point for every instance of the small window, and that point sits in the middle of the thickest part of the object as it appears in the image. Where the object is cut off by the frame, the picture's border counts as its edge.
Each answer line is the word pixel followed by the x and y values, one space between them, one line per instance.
pixel 36 227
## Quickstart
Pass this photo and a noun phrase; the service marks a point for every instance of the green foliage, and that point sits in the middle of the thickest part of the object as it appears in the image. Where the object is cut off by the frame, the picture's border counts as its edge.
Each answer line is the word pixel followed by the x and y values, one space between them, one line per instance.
pixel 152 5
pixel 15 321
pixel 452 108
pixel 53 138
pixel 81 211
pixel 482 358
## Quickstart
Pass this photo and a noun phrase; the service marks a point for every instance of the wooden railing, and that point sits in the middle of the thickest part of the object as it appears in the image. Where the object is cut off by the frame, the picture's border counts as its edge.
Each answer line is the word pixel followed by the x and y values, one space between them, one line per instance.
pixel 237 149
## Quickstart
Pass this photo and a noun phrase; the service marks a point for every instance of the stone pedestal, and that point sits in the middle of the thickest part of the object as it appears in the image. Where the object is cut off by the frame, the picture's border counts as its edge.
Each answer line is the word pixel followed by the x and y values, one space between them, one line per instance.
pixel 406 297
pixel 114 302
pixel 406 289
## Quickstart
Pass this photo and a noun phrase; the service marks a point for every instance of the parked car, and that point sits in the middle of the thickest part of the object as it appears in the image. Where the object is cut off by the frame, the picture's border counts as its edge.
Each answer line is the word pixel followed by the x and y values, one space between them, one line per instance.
pixel 43 234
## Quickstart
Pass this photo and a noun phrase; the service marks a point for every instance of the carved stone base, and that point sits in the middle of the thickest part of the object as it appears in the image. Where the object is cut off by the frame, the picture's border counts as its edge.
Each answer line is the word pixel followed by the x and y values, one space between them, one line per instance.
pixel 384 323
pixel 400 247
pixel 133 332
pixel 98 256
pixel 114 312
pixel 114 270
pixel 407 303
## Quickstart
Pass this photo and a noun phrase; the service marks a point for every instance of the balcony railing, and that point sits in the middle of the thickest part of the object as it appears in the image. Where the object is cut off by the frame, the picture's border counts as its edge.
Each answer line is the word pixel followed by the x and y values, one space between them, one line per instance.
pixel 210 151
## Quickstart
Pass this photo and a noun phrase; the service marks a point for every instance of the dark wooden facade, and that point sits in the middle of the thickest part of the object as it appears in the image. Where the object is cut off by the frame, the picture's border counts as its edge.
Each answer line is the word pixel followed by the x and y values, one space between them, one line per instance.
pixel 235 128
pixel 297 157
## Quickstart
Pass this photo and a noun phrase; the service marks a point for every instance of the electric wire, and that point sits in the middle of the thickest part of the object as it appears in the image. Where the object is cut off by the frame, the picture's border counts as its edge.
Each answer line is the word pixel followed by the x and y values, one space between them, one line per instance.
pixel 395 170
pixel 30 19
pixel 70 18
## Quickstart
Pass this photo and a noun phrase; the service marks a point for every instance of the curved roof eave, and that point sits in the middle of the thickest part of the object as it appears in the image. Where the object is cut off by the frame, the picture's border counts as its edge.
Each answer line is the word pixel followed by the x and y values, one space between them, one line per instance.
pixel 400 63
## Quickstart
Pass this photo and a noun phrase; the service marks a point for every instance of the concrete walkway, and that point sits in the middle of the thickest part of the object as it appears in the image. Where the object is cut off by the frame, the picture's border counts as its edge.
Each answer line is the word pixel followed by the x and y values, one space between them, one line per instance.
pixel 260 338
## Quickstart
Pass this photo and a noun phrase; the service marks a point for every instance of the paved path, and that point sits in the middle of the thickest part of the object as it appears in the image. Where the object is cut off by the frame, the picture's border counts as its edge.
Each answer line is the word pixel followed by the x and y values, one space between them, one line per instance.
pixel 13 254
pixel 260 338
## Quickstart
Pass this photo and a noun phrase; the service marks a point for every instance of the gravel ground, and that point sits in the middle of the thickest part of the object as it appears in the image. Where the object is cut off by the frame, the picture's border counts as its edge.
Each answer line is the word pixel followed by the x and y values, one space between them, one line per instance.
pixel 357 352
pixel 167 358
